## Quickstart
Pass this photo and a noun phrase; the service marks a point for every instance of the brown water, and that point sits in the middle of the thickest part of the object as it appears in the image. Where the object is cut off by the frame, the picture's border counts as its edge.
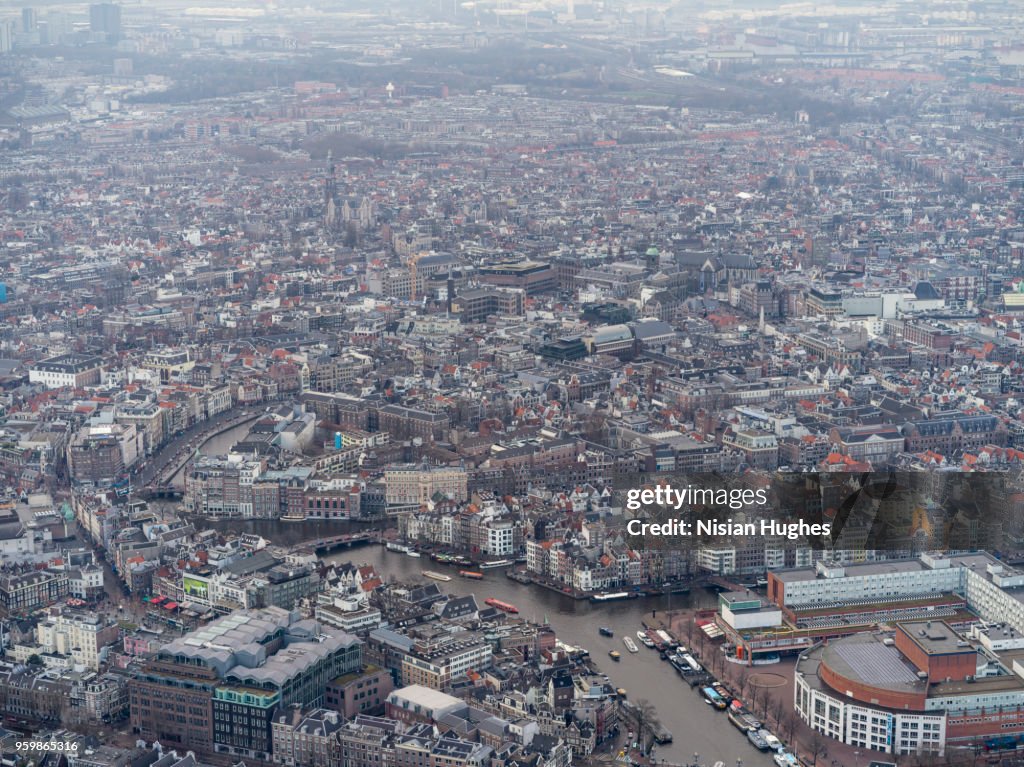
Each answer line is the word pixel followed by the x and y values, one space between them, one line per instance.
pixel 696 726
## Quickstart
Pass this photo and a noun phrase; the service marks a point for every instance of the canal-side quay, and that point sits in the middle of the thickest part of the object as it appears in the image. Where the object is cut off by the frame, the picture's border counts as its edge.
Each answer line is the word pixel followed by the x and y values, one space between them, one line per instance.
pixel 696 727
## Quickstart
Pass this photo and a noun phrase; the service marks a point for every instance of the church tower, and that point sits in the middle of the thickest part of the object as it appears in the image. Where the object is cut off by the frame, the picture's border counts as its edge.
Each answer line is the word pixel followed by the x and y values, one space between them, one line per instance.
pixel 330 194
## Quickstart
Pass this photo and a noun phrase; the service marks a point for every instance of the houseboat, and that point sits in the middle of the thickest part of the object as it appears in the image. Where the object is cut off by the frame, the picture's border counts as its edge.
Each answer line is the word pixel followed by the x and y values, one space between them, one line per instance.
pixel 712 697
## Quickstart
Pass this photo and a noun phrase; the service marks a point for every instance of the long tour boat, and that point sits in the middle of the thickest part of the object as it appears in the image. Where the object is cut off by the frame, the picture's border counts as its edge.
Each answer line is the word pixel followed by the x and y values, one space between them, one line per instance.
pixel 503 606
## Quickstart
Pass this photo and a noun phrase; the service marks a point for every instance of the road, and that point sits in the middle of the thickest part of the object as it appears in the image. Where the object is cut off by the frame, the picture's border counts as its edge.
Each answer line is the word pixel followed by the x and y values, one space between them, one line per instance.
pixel 186 442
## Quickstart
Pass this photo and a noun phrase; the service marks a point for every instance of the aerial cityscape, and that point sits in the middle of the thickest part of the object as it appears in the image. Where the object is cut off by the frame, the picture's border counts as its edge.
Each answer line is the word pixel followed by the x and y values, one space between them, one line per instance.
pixel 511 383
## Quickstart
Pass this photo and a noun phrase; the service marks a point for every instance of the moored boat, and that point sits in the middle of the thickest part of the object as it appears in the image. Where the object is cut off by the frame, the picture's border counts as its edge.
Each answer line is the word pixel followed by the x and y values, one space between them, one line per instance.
pixel 436 576
pixel 471 574
pixel 666 638
pixel 742 719
pixel 712 697
pixel 615 655
pixel 630 644
pixel 786 759
pixel 757 740
pixel 610 597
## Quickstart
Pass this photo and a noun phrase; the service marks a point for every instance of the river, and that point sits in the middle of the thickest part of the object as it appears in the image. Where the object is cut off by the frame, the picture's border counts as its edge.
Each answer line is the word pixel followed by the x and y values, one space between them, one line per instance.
pixel 696 727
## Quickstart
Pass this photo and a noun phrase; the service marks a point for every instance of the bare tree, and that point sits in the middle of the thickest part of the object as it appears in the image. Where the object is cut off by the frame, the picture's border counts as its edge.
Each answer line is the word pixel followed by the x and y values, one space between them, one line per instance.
pixel 778 711
pixel 753 696
pixel 816 747
pixel 789 725
pixel 647 722
pixel 743 683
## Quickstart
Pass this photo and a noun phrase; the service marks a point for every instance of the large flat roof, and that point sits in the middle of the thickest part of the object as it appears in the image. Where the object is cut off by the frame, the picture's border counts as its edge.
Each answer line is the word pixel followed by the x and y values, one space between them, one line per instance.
pixel 935 637
pixel 976 561
pixel 426 697
pixel 865 658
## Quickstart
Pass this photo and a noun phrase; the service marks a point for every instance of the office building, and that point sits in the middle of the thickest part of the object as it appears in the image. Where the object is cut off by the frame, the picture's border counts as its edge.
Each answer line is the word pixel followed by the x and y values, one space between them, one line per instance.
pixel 105 21
pixel 216 690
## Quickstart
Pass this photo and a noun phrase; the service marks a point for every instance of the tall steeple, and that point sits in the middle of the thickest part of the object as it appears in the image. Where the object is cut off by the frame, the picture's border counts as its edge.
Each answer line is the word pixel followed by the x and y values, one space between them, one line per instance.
pixel 330 193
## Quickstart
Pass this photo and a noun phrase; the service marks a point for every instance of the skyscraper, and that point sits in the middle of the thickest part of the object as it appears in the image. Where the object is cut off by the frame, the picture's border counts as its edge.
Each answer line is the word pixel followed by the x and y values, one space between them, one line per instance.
pixel 29 20
pixel 105 19
pixel 6 36
pixel 58 27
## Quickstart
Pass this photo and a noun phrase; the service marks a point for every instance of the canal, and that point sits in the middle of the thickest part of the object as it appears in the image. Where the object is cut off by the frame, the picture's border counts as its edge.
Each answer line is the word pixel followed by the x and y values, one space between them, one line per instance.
pixel 219 444
pixel 696 727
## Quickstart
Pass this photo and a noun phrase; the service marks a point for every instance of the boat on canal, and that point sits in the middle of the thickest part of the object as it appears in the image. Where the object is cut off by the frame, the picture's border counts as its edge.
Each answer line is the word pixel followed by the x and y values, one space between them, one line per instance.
pixel 503 606
pixel 712 697
pixel 605 631
pixel 615 655
pixel 786 759
pixel 471 574
pixel 497 563
pixel 645 640
pixel 690 661
pixel 742 719
pixel 630 644
pixel 436 576
pixel 666 638
pixel 757 739
pixel 610 597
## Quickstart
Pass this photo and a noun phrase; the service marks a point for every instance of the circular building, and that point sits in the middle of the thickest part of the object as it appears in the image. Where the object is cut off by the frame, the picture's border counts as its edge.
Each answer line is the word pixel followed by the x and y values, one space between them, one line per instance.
pixel 919 690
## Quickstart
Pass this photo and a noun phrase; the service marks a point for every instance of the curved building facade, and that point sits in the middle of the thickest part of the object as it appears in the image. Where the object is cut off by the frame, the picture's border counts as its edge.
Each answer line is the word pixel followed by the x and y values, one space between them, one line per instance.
pixel 919 690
